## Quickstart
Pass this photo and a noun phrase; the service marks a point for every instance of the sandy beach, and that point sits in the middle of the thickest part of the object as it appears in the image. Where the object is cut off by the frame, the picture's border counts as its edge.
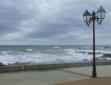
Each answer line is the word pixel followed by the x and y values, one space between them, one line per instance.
pixel 97 81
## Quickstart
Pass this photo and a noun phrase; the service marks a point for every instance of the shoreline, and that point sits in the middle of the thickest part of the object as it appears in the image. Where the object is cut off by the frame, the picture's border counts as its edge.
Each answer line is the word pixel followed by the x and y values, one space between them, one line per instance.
pixel 14 68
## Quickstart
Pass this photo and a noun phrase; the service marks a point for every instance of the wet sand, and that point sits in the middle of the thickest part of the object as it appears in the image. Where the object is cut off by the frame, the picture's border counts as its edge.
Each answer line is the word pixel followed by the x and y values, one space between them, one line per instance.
pixel 97 81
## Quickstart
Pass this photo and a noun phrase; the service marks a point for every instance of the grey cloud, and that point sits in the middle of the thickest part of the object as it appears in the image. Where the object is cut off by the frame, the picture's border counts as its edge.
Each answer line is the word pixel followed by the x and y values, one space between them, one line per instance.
pixel 10 19
pixel 51 20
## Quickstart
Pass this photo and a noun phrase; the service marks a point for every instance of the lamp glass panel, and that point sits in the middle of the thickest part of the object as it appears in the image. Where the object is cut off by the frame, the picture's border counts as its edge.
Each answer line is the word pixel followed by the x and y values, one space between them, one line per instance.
pixel 88 17
pixel 84 18
pixel 101 15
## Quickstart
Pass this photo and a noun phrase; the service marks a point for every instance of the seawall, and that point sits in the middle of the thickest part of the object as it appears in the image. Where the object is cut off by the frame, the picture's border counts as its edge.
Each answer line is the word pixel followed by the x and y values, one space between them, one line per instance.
pixel 12 68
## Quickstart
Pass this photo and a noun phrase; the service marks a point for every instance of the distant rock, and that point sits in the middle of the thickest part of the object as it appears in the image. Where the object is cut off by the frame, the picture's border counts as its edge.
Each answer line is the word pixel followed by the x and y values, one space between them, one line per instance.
pixel 1 64
pixel 107 55
pixel 85 59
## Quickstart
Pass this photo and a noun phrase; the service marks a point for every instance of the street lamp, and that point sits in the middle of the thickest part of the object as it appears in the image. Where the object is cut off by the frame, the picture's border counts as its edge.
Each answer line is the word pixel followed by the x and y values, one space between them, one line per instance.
pixel 88 18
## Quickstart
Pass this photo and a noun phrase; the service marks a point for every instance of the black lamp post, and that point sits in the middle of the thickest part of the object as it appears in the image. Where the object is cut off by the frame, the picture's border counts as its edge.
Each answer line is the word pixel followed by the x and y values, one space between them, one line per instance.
pixel 88 18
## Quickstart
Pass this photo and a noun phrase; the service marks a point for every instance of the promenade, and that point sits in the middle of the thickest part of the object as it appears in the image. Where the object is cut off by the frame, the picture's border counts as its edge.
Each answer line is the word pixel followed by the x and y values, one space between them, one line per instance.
pixel 67 76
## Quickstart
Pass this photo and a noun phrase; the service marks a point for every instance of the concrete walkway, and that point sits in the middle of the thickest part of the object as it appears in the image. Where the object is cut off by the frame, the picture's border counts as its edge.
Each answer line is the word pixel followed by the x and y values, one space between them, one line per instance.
pixel 52 77
pixel 102 71
pixel 38 77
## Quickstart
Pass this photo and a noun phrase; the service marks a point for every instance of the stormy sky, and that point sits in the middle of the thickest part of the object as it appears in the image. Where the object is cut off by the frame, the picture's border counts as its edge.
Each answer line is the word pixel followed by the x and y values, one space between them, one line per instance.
pixel 34 22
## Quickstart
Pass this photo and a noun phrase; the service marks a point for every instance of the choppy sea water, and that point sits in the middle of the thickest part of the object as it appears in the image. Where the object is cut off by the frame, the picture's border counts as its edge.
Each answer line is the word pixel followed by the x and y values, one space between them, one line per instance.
pixel 51 54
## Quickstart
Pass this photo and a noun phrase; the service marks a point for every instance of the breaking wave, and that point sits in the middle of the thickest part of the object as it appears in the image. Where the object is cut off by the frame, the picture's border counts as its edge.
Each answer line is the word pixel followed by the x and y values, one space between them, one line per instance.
pixel 35 57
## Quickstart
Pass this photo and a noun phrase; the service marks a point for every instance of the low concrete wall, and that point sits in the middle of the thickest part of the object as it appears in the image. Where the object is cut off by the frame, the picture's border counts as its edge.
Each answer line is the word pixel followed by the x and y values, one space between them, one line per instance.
pixel 10 68
pixel 13 68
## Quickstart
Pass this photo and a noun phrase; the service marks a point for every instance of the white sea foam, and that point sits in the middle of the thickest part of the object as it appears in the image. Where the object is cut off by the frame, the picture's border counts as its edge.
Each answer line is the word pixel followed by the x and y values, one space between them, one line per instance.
pixel 71 55
pixel 97 51
pixel 29 50
pixel 78 56
pixel 56 47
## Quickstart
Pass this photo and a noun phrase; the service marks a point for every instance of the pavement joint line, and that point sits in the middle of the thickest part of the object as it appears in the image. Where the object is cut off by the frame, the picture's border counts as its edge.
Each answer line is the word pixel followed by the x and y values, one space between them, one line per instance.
pixel 78 73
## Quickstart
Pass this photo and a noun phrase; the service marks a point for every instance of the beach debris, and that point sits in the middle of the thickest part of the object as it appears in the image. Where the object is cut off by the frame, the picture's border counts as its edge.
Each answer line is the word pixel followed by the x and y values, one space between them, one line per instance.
pixel 22 63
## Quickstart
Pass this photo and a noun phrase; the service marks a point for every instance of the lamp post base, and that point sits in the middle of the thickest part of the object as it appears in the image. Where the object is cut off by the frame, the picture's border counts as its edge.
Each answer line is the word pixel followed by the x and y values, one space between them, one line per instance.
pixel 94 74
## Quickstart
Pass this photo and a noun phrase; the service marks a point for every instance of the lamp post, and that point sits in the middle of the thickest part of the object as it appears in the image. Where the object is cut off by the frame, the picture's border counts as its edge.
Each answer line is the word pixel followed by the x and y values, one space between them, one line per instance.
pixel 88 18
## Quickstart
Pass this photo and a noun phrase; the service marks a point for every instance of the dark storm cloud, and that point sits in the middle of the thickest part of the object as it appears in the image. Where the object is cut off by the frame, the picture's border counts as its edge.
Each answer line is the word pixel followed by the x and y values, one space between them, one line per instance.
pixel 28 21
pixel 65 21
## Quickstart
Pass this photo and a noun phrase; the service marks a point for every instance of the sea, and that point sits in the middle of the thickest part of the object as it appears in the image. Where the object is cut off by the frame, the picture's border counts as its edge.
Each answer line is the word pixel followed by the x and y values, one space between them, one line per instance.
pixel 51 54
